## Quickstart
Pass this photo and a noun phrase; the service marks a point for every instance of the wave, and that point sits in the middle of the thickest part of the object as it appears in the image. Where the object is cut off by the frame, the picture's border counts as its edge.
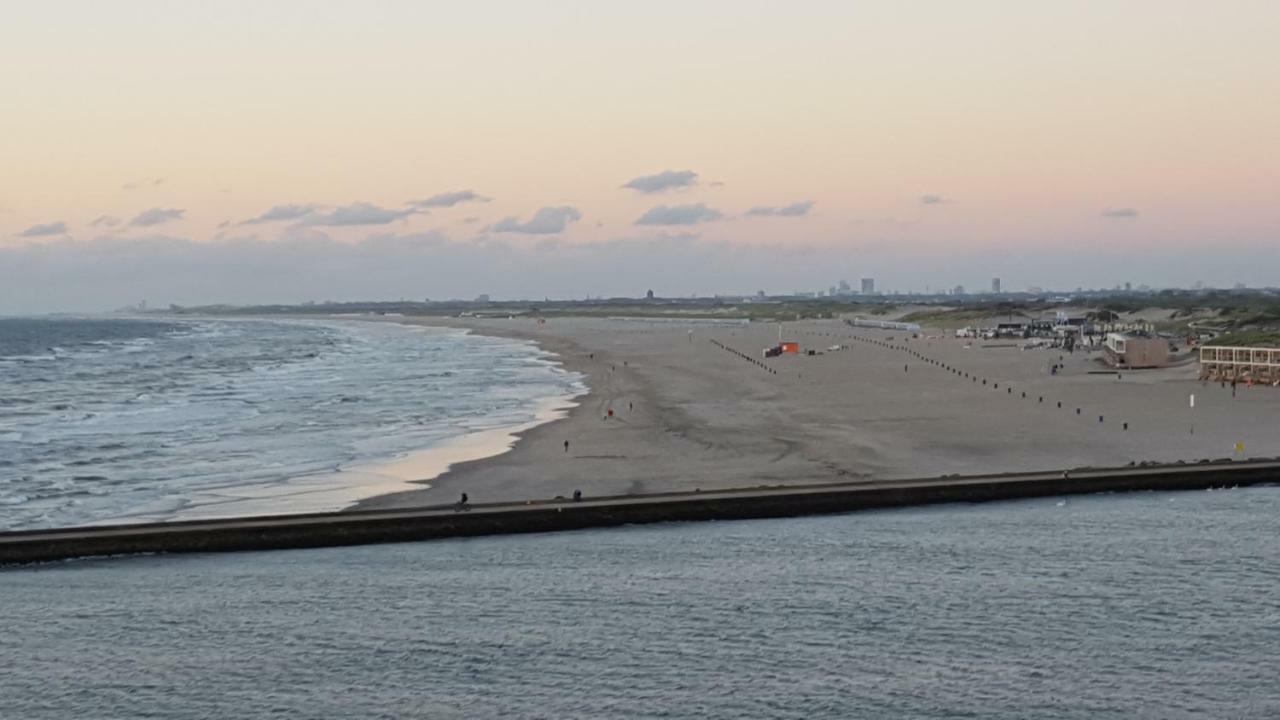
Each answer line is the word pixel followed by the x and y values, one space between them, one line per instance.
pixel 210 408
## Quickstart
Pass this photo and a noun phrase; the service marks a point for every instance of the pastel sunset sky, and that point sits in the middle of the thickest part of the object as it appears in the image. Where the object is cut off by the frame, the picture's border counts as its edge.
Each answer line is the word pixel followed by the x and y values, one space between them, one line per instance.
pixel 282 151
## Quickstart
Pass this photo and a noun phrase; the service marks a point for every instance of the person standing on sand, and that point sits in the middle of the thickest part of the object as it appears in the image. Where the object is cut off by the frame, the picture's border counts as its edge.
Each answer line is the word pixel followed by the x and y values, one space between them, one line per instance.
pixel 566 446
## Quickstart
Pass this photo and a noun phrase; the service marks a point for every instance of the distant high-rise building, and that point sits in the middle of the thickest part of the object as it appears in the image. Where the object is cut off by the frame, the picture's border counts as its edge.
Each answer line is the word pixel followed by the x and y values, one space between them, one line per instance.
pixel 1128 287
pixel 959 290
pixel 868 286
pixel 482 298
pixel 995 286
pixel 649 295
pixel 844 288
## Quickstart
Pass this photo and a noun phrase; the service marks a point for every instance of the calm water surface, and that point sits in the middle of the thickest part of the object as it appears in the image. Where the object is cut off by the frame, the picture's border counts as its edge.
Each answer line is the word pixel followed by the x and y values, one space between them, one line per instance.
pixel 1150 605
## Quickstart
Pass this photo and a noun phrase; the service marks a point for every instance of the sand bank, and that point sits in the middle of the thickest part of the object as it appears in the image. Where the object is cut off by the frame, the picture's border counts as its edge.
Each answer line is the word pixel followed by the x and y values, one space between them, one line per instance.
pixel 690 413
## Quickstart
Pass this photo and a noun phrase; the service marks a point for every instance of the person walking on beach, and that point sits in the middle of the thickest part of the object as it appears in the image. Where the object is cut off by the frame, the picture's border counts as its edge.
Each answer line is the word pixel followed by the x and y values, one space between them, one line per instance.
pixel 566 446
pixel 462 502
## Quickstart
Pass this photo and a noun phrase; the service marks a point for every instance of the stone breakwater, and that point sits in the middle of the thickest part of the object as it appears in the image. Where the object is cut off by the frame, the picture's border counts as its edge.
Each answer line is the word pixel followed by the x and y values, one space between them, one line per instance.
pixel 428 523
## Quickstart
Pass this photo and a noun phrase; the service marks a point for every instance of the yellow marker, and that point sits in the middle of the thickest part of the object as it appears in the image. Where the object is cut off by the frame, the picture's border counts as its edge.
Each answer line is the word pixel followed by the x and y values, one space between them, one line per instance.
pixel 1239 447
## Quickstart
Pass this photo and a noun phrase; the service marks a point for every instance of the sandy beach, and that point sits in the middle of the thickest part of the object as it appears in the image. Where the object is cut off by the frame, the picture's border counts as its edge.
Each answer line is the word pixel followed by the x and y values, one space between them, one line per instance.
pixel 690 412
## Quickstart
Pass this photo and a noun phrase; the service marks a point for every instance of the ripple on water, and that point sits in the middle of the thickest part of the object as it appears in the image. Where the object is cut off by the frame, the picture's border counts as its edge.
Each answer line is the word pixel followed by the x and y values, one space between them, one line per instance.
pixel 1110 607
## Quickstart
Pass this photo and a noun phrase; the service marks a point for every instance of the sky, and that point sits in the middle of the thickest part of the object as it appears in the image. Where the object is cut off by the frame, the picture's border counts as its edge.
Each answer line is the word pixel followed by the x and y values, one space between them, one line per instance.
pixel 246 152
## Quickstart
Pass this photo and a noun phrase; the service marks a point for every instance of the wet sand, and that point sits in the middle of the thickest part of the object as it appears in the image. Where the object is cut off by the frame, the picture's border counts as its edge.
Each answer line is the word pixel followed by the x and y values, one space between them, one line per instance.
pixel 690 414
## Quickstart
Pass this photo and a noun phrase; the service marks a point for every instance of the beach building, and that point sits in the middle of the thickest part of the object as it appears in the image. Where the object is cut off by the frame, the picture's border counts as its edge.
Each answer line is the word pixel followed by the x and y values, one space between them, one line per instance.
pixel 1013 328
pixel 1259 364
pixel 1135 351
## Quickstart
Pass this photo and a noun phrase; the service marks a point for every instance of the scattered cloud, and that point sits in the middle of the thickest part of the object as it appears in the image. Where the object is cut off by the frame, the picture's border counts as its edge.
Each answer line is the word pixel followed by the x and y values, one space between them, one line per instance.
pixel 281 213
pixel 1120 213
pixel 139 184
pixel 792 210
pixel 547 221
pixel 156 216
pixel 716 183
pixel 45 230
pixel 679 215
pixel 663 181
pixel 449 199
pixel 361 213
pixel 470 220
pixel 104 221
pixel 932 200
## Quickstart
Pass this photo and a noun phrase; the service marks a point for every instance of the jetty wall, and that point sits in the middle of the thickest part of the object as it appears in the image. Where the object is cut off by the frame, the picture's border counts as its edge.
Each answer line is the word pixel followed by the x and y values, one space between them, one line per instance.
pixel 428 523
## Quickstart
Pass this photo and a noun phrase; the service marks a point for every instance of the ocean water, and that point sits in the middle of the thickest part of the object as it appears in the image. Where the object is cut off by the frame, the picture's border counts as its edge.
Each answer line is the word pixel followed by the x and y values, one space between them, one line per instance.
pixel 117 420
pixel 1150 605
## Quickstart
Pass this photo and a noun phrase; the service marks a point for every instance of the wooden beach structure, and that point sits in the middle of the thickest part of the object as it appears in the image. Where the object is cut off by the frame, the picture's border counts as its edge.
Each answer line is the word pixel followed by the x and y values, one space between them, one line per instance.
pixel 1242 364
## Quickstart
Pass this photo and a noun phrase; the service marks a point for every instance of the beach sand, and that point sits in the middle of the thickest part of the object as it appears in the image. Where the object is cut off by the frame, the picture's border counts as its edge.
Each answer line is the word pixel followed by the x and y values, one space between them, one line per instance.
pixel 690 414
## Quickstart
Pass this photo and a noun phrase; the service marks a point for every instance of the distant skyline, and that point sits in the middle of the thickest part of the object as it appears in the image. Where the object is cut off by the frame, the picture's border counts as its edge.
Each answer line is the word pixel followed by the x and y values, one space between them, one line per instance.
pixel 286 151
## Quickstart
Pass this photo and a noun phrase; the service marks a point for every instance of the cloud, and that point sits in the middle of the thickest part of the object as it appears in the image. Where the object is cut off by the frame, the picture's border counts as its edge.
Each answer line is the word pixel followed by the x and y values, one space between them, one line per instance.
pixel 148 182
pixel 666 180
pixel 547 221
pixel 1120 213
pixel 679 215
pixel 792 210
pixel 104 221
pixel 932 200
pixel 361 213
pixel 449 199
pixel 156 216
pixel 281 212
pixel 45 230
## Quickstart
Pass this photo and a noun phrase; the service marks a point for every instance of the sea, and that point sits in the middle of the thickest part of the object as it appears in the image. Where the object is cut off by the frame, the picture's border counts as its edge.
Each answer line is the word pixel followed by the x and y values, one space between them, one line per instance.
pixel 1146 605
pixel 107 420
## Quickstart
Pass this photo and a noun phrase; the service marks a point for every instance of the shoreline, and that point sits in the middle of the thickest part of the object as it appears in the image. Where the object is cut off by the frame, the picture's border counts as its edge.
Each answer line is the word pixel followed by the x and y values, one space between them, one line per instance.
pixel 438 471
pixel 349 485
pixel 424 467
